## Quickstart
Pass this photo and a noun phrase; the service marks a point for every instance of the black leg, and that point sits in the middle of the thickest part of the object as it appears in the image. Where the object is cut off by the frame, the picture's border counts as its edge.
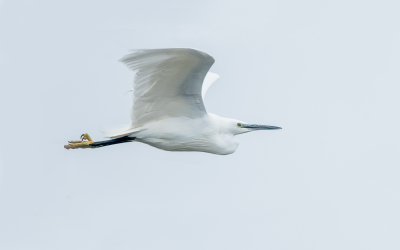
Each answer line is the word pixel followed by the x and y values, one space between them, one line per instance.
pixel 124 139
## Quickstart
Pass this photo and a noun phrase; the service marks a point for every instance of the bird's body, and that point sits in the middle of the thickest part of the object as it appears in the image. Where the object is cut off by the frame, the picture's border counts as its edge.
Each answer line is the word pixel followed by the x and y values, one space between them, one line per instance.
pixel 209 133
pixel 168 110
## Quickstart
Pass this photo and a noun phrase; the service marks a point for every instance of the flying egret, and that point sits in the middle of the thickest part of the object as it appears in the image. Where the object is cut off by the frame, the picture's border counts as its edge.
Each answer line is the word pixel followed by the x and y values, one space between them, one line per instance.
pixel 168 111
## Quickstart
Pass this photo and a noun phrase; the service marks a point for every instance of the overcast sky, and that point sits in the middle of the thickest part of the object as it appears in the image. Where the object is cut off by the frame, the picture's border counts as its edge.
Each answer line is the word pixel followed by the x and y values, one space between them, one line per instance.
pixel 325 71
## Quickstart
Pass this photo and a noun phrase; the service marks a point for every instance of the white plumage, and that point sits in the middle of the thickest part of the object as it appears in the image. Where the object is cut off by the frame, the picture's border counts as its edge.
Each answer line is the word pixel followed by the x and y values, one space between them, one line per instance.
pixel 167 83
pixel 168 110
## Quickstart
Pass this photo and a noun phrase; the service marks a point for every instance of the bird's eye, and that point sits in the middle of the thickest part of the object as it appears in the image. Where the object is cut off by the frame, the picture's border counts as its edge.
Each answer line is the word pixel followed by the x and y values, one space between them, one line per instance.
pixel 239 125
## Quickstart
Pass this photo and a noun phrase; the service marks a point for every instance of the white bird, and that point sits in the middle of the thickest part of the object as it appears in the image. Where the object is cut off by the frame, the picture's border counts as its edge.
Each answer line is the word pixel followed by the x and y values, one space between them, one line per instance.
pixel 168 110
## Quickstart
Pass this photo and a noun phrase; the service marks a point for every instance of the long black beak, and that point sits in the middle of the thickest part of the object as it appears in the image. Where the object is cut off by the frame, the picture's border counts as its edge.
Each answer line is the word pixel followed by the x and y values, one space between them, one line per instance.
pixel 259 127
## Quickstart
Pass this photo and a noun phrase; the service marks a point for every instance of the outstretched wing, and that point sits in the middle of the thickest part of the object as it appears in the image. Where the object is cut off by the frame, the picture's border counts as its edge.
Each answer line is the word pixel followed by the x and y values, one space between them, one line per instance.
pixel 208 81
pixel 167 83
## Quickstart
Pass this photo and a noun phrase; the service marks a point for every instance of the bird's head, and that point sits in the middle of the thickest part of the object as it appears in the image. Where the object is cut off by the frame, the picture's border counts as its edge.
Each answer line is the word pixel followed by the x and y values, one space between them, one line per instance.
pixel 239 127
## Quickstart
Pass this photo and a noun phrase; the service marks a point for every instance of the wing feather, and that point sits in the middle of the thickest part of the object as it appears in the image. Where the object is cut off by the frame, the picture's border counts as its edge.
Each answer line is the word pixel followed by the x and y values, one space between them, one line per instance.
pixel 208 81
pixel 167 83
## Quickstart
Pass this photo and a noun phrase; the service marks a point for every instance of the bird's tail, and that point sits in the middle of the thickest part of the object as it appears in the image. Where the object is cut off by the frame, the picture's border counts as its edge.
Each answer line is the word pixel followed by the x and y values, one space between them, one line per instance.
pixel 120 132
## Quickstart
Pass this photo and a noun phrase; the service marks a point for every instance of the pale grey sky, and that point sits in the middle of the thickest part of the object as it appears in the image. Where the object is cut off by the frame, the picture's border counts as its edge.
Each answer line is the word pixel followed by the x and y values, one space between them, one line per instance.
pixel 325 71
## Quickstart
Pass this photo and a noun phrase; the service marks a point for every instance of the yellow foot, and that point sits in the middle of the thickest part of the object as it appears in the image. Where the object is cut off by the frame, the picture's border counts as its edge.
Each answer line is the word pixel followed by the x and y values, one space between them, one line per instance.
pixel 84 143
